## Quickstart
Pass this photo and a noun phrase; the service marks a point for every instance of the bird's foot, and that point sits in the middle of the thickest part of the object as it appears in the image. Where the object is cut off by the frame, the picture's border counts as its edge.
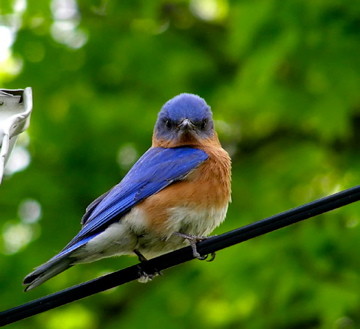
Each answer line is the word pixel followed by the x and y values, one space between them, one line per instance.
pixel 212 257
pixel 144 275
pixel 193 240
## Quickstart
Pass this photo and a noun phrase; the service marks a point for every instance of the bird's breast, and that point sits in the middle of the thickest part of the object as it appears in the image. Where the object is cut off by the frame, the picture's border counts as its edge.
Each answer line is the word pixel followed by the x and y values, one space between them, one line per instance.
pixel 196 204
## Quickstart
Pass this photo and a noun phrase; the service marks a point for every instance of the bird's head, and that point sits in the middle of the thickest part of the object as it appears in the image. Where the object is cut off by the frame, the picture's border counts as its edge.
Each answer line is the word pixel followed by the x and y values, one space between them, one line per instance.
pixel 185 119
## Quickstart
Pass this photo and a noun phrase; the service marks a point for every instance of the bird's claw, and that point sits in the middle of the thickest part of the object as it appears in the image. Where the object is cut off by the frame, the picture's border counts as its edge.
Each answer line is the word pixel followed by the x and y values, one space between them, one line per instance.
pixel 206 257
pixel 144 276
pixel 193 240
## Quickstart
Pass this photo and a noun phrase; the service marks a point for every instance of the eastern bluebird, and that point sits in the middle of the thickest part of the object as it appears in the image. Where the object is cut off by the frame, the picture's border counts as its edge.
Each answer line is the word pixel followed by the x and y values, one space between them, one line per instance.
pixel 176 193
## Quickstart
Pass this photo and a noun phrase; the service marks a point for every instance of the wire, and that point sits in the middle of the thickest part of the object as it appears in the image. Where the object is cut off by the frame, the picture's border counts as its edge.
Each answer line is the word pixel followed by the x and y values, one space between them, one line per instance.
pixel 208 246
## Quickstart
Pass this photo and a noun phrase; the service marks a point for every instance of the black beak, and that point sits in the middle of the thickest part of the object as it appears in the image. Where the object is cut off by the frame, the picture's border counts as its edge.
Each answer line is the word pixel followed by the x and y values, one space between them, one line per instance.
pixel 186 124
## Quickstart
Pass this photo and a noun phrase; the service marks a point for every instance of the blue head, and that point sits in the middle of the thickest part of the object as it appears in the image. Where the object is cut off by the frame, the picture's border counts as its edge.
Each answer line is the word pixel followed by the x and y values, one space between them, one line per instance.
pixel 186 118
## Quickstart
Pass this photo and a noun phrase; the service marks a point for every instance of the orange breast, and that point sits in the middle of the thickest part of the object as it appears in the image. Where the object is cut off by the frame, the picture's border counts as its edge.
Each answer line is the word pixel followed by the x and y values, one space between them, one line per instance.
pixel 207 186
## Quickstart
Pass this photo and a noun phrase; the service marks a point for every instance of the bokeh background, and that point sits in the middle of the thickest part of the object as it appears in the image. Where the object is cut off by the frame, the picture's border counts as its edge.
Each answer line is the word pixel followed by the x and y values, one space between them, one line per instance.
pixel 283 80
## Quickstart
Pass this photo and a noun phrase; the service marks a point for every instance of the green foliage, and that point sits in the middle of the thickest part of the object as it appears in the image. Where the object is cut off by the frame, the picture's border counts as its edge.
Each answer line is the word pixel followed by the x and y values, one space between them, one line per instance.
pixel 282 78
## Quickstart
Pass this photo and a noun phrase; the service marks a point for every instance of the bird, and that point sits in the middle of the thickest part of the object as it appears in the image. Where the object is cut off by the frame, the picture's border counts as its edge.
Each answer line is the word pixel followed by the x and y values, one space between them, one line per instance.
pixel 176 194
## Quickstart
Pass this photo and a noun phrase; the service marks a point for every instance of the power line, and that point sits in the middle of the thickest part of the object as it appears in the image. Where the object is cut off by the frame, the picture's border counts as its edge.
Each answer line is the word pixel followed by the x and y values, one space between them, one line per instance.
pixel 177 257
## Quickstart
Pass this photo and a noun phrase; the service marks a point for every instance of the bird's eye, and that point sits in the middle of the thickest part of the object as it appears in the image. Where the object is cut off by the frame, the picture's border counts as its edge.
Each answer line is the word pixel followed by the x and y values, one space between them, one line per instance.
pixel 204 124
pixel 168 123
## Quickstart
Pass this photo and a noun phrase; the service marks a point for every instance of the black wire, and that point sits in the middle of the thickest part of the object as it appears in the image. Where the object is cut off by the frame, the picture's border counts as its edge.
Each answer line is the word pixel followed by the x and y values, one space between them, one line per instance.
pixel 205 247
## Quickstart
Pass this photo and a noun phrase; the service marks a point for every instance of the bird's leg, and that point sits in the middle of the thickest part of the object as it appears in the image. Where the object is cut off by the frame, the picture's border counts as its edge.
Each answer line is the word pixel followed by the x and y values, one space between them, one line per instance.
pixel 144 276
pixel 140 256
pixel 193 240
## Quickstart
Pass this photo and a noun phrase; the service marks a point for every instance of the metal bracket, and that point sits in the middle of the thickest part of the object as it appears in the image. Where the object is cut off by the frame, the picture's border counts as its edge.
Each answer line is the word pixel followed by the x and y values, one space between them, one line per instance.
pixel 15 109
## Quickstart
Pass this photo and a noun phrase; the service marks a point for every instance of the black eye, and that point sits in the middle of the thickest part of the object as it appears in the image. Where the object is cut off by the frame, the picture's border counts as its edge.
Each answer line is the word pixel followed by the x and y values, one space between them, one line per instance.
pixel 203 124
pixel 168 123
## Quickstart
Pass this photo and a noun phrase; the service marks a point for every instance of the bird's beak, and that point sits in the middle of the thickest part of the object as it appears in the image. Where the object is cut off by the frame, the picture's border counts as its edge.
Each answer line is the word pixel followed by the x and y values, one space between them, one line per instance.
pixel 186 125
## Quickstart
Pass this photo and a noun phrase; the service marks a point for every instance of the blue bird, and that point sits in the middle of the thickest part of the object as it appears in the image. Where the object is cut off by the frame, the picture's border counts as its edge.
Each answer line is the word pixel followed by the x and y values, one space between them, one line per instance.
pixel 175 194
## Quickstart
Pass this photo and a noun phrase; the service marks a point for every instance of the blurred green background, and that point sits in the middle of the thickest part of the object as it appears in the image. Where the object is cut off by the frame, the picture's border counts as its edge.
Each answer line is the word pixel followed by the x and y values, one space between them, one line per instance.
pixel 282 78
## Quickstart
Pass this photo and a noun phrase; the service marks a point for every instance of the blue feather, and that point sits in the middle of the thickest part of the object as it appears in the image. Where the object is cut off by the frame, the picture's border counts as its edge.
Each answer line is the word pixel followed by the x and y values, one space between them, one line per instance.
pixel 156 169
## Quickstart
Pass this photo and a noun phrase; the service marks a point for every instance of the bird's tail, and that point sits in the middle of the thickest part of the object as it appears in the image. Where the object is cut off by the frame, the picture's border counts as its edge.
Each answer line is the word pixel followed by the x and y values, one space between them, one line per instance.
pixel 55 265
pixel 46 271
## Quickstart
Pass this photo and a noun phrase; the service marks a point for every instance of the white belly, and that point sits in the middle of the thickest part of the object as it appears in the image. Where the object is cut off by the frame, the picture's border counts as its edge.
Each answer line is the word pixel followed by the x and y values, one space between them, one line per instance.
pixel 183 220
pixel 133 232
pixel 195 222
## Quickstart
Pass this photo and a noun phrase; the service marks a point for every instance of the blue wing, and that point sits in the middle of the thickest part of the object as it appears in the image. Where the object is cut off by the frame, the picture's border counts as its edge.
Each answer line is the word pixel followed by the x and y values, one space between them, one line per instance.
pixel 156 169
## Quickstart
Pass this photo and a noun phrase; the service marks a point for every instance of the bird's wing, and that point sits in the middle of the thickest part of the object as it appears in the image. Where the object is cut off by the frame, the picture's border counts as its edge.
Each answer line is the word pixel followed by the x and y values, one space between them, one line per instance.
pixel 156 169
